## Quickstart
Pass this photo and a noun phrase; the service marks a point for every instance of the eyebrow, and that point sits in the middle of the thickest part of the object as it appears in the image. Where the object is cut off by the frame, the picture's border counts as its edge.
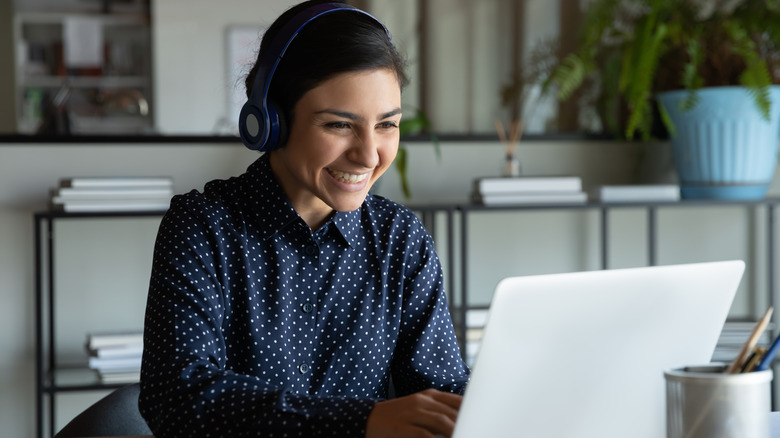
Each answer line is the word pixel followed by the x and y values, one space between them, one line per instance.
pixel 353 116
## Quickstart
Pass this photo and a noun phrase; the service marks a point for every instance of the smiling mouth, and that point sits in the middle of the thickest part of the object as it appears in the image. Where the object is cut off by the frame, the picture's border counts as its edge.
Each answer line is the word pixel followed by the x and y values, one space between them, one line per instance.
pixel 347 178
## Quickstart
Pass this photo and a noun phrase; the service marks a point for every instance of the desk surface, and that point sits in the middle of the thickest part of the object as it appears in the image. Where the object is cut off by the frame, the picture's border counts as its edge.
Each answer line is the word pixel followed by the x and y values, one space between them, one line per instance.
pixel 774 418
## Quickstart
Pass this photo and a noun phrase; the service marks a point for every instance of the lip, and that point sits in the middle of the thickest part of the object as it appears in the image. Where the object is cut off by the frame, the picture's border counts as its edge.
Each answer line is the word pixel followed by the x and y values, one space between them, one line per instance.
pixel 349 187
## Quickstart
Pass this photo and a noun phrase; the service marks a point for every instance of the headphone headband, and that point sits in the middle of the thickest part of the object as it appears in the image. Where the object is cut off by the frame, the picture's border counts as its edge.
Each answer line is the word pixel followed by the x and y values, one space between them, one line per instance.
pixel 259 122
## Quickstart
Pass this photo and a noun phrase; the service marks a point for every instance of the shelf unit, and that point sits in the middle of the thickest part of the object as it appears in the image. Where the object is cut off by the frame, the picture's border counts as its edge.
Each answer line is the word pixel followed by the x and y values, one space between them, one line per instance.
pixel 51 379
pixel 112 98
pixel 604 209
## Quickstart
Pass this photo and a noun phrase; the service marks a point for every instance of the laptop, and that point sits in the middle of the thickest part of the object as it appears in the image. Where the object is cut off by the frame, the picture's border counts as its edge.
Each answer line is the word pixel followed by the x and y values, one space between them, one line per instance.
pixel 582 354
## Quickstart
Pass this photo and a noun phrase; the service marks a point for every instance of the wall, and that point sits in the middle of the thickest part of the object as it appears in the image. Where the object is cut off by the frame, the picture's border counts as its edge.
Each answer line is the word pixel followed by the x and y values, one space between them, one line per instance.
pixel 190 64
pixel 190 54
pixel 501 244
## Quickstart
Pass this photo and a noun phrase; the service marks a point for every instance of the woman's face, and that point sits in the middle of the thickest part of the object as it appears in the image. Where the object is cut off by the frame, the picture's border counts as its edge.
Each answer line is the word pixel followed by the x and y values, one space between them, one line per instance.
pixel 343 137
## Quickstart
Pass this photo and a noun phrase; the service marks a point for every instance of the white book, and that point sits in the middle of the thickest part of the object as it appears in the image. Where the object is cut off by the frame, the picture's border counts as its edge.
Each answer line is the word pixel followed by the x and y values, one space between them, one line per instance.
pixel 128 350
pixel 476 318
pixel 638 193
pixel 533 198
pixel 79 206
pixel 523 184
pixel 116 182
pixel 115 363
pixel 67 193
pixel 97 341
pixel 121 377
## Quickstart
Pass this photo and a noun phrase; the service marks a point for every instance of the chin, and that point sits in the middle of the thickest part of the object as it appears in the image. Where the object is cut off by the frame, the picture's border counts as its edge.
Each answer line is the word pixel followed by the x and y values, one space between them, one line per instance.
pixel 348 203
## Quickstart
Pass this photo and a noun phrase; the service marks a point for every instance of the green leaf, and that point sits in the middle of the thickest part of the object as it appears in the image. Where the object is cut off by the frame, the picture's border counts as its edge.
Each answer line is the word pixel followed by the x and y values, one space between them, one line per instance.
pixel 569 75
pixel 667 120
pixel 401 166
pixel 411 125
pixel 638 92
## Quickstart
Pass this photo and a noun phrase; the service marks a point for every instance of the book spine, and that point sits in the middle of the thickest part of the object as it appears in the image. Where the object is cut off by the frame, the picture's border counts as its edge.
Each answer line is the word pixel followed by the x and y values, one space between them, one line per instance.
pixel 108 182
pixel 527 185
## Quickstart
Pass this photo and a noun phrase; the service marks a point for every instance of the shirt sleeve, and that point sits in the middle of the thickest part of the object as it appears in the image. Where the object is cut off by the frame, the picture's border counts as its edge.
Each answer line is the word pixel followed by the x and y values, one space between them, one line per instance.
pixel 187 387
pixel 428 355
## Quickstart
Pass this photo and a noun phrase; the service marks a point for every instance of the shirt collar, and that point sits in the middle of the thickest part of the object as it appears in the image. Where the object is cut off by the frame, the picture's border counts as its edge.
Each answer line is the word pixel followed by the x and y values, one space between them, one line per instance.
pixel 273 208
pixel 347 223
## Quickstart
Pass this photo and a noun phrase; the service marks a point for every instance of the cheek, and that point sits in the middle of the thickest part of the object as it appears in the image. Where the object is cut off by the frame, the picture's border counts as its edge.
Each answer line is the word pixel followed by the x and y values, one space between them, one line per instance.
pixel 387 154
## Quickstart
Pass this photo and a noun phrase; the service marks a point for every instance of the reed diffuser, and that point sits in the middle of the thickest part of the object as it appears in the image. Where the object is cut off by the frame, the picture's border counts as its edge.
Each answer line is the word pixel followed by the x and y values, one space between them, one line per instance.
pixel 511 165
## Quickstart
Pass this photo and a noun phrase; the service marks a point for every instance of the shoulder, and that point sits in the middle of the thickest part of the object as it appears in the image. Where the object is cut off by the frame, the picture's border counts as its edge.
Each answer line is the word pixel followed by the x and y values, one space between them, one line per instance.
pixel 220 200
pixel 384 211
pixel 217 195
pixel 393 221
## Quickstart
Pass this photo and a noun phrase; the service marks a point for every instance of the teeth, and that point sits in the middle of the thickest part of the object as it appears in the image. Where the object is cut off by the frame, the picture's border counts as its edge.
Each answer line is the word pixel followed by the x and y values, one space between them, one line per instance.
pixel 348 178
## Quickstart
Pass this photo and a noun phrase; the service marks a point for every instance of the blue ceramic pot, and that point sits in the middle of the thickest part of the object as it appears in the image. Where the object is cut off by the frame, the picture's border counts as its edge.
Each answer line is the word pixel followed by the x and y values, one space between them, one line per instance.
pixel 723 148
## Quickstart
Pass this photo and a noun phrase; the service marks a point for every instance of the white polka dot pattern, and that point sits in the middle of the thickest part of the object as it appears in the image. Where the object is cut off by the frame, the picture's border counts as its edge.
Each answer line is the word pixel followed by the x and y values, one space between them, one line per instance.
pixel 257 326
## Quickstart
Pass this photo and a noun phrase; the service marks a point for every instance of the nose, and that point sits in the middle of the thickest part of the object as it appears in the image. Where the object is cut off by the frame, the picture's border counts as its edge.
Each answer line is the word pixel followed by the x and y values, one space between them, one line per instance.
pixel 364 149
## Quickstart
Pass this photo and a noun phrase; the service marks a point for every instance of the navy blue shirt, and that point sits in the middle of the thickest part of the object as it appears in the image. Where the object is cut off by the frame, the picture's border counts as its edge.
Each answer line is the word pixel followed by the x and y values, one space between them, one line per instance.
pixel 258 326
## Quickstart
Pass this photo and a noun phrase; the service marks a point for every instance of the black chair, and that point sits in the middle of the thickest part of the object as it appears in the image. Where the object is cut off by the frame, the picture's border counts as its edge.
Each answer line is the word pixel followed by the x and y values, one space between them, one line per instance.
pixel 114 415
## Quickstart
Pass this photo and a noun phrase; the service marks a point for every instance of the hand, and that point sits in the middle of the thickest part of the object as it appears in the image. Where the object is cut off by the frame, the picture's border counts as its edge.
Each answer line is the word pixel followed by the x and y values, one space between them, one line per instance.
pixel 426 414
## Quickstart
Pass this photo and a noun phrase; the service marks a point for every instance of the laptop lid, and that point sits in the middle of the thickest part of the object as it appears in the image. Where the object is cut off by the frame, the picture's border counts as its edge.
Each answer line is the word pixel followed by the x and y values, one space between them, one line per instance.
pixel 582 354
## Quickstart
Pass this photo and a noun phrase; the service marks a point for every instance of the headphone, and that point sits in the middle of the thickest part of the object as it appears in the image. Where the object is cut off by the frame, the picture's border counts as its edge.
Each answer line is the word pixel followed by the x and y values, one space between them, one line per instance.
pixel 260 123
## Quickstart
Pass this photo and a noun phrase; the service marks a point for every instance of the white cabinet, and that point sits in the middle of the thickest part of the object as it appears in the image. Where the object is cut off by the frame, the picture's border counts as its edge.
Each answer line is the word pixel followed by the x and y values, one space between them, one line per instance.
pixel 83 73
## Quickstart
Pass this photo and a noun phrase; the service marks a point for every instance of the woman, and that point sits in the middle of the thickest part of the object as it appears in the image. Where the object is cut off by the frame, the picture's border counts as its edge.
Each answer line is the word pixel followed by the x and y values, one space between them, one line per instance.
pixel 283 302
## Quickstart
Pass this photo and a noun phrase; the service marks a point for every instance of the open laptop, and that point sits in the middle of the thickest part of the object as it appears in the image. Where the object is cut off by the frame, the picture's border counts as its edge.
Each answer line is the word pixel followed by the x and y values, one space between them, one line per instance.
pixel 582 354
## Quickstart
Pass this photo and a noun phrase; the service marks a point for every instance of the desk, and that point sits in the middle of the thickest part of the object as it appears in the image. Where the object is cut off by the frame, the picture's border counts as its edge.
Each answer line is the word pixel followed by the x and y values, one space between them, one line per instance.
pixel 774 428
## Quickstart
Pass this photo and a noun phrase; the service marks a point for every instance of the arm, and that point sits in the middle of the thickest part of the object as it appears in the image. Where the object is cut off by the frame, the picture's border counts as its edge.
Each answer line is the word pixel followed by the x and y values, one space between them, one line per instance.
pixel 427 357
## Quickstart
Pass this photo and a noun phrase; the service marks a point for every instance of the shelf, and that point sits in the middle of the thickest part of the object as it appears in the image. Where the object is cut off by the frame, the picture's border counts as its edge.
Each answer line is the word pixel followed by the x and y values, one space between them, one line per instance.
pixel 85 81
pixel 75 379
pixel 56 18
pixel 51 382
pixel 122 76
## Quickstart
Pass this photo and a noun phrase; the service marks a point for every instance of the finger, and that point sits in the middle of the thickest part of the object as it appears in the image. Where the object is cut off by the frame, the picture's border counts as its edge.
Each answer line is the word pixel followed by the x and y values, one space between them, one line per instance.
pixel 438 423
pixel 448 398
pixel 439 413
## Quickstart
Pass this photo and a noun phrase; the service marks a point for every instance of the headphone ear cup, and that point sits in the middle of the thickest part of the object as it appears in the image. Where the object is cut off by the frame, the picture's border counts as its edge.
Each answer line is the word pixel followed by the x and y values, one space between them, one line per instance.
pixel 276 128
pixel 282 128
pixel 253 126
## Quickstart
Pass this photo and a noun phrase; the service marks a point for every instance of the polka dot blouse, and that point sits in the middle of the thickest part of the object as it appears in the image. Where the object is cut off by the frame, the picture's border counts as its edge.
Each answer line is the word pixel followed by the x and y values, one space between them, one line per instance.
pixel 258 326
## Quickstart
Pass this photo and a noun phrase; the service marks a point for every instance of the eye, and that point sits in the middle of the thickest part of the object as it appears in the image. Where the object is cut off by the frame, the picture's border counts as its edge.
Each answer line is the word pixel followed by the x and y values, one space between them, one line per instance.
pixel 337 125
pixel 388 125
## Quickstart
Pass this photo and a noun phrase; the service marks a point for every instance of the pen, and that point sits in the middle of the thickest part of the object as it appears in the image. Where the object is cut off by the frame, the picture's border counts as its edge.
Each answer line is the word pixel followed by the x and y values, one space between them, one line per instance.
pixel 769 355
pixel 752 363
pixel 736 366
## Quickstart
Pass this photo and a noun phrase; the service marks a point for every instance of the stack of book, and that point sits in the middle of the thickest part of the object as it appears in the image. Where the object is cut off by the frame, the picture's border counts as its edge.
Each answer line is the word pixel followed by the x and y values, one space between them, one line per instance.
pixel 638 193
pixel 92 194
pixel 529 190
pixel 734 336
pixel 475 325
pixel 116 357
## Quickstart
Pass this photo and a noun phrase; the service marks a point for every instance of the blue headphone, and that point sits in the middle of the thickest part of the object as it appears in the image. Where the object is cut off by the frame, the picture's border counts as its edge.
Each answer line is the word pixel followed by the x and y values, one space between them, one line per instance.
pixel 260 123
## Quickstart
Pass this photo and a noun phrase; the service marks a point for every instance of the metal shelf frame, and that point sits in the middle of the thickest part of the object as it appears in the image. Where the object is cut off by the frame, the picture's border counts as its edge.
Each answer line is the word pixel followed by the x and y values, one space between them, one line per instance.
pixel 48 384
pixel 47 380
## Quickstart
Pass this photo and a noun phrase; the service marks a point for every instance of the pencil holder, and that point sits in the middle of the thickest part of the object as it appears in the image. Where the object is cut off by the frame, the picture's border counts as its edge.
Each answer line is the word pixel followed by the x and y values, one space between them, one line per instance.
pixel 704 401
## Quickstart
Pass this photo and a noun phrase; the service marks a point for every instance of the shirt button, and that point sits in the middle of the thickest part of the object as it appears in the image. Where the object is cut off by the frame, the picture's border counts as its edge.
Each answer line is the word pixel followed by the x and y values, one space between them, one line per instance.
pixel 308 307
pixel 310 250
pixel 303 368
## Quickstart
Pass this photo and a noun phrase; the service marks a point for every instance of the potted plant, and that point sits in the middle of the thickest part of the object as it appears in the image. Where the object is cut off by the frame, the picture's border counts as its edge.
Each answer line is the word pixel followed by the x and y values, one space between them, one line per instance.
pixel 664 60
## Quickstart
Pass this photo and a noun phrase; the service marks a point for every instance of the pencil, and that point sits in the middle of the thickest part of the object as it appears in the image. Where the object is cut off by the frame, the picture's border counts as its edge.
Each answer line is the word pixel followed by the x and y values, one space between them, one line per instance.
pixel 736 366
pixel 754 360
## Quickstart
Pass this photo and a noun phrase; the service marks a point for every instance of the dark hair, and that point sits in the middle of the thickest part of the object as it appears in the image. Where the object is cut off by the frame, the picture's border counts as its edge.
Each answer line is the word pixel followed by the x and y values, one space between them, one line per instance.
pixel 338 42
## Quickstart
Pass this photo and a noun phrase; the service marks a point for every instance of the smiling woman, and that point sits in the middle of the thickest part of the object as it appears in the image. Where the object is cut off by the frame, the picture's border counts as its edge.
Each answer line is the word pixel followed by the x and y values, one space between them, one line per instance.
pixel 343 137
pixel 285 300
